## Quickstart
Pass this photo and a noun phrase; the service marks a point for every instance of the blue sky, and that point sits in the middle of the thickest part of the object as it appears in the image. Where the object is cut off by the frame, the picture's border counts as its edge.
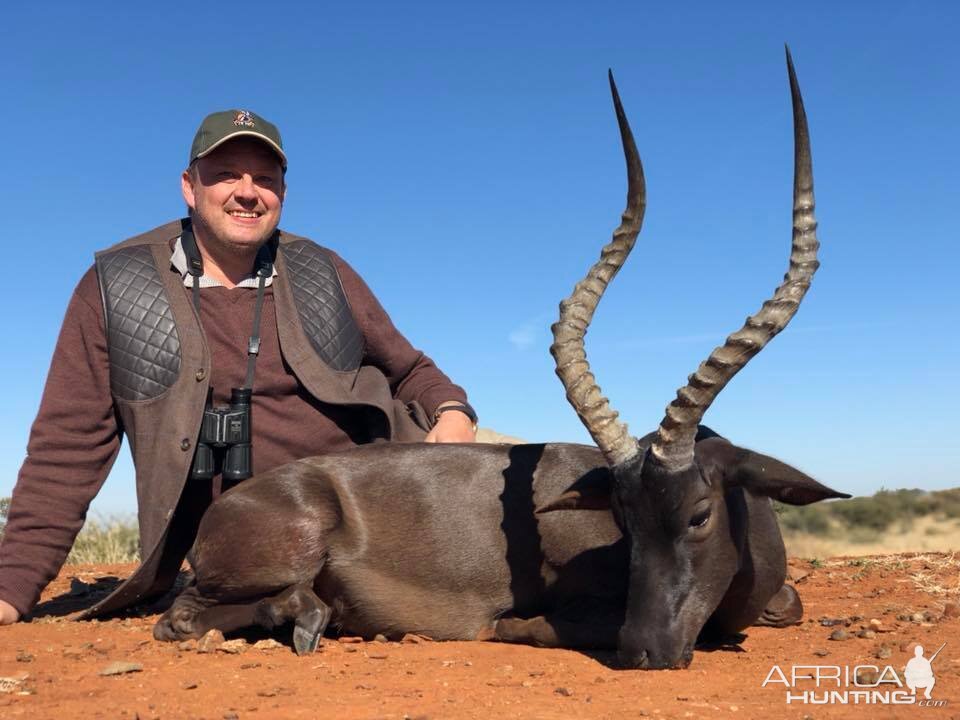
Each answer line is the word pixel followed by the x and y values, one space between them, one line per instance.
pixel 464 159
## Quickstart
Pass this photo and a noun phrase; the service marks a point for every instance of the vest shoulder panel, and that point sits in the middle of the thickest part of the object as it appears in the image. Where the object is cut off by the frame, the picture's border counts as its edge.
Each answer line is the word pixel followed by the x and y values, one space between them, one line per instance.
pixel 142 335
pixel 322 306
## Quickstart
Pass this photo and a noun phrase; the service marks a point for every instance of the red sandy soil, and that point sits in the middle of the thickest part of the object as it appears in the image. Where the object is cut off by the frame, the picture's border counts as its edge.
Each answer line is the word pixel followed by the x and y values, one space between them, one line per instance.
pixel 51 667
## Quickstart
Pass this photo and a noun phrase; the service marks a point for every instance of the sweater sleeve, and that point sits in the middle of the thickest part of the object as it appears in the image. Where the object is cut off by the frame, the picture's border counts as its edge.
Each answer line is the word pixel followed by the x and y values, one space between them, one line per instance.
pixel 412 375
pixel 73 443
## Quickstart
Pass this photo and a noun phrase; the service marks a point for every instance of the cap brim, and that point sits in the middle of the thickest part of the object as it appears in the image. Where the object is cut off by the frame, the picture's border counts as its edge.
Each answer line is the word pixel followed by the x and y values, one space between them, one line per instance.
pixel 248 133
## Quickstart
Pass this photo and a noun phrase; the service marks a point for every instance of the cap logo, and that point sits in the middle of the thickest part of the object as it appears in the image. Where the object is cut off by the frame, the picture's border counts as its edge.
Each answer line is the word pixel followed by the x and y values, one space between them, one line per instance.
pixel 243 119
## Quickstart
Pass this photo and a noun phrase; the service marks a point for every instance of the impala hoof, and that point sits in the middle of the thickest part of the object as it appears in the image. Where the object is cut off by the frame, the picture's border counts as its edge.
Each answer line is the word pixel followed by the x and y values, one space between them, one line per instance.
pixel 308 630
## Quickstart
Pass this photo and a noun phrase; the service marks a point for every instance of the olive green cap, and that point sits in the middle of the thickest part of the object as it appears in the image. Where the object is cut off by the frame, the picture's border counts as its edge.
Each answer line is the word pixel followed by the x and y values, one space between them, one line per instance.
pixel 219 127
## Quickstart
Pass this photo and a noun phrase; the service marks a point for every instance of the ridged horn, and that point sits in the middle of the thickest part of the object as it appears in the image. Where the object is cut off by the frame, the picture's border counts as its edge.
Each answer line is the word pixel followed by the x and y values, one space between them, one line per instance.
pixel 673 446
pixel 576 312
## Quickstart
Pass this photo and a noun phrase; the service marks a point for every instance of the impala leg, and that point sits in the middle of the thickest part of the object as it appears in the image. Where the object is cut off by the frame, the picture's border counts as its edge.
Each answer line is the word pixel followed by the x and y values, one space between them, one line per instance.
pixel 179 622
pixel 300 604
pixel 554 632
pixel 784 609
pixel 192 615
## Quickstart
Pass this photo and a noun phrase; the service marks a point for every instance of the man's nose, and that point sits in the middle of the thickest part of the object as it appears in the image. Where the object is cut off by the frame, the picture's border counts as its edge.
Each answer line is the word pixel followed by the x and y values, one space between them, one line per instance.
pixel 245 188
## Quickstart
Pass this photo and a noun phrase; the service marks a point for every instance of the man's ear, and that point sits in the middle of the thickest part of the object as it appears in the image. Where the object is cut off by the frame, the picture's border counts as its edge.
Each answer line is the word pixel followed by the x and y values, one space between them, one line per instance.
pixel 761 474
pixel 591 492
pixel 186 187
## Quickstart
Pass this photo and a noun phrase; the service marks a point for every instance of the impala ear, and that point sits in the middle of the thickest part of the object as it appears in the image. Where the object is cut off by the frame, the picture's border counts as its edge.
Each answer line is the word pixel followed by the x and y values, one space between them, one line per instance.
pixel 591 492
pixel 761 474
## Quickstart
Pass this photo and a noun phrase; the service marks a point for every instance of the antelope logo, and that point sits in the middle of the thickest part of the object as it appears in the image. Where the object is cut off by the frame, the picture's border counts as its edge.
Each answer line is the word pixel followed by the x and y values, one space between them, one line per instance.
pixel 243 119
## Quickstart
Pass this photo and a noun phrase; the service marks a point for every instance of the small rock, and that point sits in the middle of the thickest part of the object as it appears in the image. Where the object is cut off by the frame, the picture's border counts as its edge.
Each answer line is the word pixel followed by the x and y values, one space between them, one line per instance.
pixel 121 668
pixel 929 617
pixel 349 640
pixel 350 648
pixel 267 693
pixel 267 644
pixel 10 685
pixel 231 716
pixel 917 617
pixel 867 677
pixel 797 574
pixel 876 625
pixel 839 634
pixel 377 655
pixel 951 610
pixel 883 652
pixel 380 638
pixel 190 685
pixel 233 647
pixel 866 633
pixel 830 622
pixel 683 698
pixel 24 656
pixel 562 691
pixel 210 641
pixel 249 665
pixel 187 645
pixel 821 653
pixel 72 653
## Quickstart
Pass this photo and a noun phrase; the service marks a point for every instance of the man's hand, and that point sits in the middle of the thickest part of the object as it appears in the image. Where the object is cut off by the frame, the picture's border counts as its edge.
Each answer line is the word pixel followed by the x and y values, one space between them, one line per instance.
pixel 452 426
pixel 8 613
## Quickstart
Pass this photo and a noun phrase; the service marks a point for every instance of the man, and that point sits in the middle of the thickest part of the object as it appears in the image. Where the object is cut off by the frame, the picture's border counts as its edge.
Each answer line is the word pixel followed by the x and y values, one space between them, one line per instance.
pixel 169 326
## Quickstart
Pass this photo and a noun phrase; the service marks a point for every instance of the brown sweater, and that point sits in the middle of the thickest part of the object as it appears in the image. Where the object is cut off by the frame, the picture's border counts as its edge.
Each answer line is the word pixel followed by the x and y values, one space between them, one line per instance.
pixel 76 435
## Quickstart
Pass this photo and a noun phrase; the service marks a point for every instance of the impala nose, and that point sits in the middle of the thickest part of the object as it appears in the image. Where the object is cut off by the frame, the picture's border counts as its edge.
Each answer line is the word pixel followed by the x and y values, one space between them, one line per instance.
pixel 635 660
pixel 640 659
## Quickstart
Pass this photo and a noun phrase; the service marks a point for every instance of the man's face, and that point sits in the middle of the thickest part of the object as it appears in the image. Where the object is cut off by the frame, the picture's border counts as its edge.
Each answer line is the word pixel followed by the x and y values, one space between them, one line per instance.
pixel 236 194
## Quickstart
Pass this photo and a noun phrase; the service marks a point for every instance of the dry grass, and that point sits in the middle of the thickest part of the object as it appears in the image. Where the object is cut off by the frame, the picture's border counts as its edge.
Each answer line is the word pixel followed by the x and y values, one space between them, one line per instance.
pixel 106 541
pixel 933 573
pixel 927 534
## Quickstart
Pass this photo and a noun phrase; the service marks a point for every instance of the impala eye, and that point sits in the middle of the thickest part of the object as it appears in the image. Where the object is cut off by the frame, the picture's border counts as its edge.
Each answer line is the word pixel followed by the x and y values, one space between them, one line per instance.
pixel 700 519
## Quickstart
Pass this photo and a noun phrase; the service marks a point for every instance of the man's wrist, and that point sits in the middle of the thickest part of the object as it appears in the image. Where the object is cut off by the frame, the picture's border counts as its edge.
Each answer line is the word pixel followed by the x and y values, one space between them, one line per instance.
pixel 456 406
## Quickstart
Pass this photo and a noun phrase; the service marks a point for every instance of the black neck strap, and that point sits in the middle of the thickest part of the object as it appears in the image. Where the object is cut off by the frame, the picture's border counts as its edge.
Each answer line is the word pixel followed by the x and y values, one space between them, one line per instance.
pixel 264 270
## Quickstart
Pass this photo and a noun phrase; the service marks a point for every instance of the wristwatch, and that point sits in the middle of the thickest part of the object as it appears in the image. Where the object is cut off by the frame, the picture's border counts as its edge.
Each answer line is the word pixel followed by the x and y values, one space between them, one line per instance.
pixel 459 407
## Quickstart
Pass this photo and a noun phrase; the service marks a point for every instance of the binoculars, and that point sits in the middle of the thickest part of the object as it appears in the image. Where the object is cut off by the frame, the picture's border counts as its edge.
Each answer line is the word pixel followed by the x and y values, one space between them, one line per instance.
pixel 225 437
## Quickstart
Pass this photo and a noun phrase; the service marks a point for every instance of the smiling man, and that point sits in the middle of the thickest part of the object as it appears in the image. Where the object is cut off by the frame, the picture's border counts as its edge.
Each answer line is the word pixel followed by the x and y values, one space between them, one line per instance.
pixel 221 346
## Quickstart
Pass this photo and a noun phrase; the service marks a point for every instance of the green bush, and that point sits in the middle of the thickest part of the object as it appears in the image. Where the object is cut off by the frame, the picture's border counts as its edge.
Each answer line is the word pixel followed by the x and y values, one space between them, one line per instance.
pixel 810 519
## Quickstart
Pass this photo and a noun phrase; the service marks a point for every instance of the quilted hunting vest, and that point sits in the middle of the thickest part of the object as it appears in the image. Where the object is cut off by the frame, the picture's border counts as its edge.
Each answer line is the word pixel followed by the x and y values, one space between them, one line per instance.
pixel 160 369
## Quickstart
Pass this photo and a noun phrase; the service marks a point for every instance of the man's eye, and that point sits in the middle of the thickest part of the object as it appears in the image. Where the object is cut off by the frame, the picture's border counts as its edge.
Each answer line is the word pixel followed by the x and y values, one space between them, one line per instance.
pixel 264 180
